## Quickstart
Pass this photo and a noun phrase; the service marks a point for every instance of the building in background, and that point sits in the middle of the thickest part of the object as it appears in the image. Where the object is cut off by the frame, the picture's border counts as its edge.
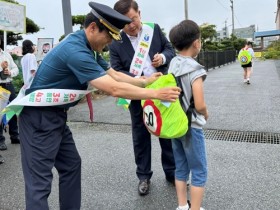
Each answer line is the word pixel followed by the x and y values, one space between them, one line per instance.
pixel 245 33
pixel 223 33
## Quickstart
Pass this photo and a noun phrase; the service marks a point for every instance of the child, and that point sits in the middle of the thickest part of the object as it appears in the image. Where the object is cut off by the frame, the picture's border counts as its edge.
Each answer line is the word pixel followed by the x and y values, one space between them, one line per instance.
pixel 189 150
pixel 248 67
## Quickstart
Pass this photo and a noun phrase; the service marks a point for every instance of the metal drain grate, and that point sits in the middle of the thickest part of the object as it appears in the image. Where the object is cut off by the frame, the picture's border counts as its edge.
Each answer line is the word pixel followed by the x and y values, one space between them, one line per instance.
pixel 242 136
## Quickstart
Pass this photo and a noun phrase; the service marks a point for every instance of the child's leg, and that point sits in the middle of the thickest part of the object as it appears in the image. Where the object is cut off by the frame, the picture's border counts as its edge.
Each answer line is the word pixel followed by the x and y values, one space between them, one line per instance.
pixel 181 190
pixel 196 156
pixel 182 171
pixel 248 73
pixel 245 73
pixel 196 197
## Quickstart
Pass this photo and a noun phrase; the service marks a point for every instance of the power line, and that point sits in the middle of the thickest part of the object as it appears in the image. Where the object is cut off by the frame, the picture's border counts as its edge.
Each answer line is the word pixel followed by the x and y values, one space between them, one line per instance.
pixel 238 21
pixel 222 5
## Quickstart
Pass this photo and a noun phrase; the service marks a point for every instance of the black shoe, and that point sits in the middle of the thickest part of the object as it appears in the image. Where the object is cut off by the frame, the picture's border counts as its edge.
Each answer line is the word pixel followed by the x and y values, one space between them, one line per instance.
pixel 143 187
pixel 1 159
pixel 3 146
pixel 15 140
pixel 170 179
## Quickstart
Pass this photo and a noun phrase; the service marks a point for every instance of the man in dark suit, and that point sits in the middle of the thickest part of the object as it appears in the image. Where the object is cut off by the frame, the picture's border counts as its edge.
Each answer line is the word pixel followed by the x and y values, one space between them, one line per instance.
pixel 143 51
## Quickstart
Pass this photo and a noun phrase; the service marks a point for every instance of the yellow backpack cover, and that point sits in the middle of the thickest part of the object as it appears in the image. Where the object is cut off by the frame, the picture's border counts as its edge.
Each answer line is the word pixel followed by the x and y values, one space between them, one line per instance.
pixel 164 120
pixel 244 56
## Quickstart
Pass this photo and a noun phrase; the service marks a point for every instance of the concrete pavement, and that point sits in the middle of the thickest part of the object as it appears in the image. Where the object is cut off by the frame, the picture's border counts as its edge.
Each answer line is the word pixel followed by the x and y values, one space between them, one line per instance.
pixel 242 175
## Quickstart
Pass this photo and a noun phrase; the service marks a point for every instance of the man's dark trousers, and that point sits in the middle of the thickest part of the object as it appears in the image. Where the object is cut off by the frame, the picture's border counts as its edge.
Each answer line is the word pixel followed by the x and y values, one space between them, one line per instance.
pixel 47 142
pixel 142 146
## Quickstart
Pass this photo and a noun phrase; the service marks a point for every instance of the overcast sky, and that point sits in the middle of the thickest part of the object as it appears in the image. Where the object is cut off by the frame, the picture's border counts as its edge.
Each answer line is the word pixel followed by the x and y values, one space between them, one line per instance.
pixel 48 14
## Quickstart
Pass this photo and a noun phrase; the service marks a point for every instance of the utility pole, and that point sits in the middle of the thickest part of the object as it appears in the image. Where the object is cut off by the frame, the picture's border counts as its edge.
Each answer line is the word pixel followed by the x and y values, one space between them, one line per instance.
pixel 67 17
pixel 226 32
pixel 186 10
pixel 232 16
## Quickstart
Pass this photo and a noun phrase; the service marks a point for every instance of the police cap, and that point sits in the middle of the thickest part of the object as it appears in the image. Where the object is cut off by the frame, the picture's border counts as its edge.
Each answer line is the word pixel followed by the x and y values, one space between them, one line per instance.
pixel 110 18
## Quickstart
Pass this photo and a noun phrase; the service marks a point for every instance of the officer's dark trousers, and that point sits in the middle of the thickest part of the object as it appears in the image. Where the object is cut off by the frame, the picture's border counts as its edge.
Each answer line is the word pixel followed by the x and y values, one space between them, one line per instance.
pixel 47 142
pixel 142 146
pixel 13 126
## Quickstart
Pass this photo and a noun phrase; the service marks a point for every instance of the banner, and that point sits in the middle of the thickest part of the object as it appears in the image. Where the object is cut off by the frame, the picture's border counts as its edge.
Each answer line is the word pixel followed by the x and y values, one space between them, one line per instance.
pixel 44 97
pixel 12 17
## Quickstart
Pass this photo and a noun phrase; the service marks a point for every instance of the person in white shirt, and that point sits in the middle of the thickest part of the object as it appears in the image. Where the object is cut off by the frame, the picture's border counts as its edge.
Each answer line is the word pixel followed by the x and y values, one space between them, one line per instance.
pixel 248 67
pixel 8 70
pixel 28 62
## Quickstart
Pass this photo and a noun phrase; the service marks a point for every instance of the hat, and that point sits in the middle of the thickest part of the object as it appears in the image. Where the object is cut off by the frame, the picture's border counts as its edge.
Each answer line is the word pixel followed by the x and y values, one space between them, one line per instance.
pixel 110 18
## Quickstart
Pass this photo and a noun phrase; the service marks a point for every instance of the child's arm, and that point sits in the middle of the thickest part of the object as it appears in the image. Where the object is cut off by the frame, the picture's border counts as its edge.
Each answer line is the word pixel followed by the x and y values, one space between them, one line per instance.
pixel 198 96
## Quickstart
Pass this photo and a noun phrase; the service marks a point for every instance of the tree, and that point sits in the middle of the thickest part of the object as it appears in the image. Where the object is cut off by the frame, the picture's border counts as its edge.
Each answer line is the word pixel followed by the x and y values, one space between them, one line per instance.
pixel 208 33
pixel 237 43
pixel 13 38
pixel 76 20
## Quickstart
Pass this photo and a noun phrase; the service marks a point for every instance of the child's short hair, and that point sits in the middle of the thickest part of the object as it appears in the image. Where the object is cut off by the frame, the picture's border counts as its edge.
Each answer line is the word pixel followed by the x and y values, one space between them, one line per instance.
pixel 184 34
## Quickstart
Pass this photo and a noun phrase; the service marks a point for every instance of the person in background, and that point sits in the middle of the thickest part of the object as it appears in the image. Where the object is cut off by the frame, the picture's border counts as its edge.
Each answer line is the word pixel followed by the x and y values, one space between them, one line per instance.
pixel 46 140
pixel 131 58
pixel 189 150
pixel 248 67
pixel 28 62
pixel 8 70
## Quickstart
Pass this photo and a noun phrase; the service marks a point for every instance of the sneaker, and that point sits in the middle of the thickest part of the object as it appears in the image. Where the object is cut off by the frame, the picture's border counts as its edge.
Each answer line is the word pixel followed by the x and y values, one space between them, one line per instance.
pixel 245 80
pixel 186 208
pixel 3 146
pixel 200 208
pixel 248 82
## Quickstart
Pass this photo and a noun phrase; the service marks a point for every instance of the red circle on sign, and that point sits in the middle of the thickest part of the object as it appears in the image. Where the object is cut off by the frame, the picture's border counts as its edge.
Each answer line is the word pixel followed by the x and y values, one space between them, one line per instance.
pixel 150 103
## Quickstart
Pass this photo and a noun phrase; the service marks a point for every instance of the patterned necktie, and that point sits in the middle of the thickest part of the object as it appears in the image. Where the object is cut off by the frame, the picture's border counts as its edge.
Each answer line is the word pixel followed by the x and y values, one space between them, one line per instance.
pixel 88 96
pixel 89 102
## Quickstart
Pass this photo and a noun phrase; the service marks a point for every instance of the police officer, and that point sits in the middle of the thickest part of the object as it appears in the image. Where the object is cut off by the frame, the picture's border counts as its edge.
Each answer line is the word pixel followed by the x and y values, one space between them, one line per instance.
pixel 46 140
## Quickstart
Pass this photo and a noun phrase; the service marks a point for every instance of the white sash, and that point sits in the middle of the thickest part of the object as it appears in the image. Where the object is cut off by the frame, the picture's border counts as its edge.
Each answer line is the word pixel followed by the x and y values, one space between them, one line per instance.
pixel 142 50
pixel 44 97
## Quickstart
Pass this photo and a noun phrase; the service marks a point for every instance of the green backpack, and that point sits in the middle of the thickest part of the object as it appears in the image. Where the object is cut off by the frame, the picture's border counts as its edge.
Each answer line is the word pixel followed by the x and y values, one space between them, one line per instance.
pixel 165 120
pixel 244 56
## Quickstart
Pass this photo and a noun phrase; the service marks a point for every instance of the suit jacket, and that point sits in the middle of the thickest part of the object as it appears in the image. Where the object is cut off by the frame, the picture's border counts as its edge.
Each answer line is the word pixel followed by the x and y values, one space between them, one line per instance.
pixel 121 53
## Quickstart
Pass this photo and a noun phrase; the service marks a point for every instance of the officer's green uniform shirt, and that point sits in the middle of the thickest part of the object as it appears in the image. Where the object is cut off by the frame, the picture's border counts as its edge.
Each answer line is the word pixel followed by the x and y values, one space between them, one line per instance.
pixel 70 65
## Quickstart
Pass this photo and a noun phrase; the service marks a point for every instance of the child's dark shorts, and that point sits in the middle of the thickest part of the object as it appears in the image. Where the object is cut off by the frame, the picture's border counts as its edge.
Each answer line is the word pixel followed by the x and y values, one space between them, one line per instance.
pixel 247 65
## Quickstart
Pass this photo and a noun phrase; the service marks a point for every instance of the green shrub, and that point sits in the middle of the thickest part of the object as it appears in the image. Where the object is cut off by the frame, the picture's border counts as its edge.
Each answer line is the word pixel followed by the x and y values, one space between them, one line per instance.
pixel 18 81
pixel 272 51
